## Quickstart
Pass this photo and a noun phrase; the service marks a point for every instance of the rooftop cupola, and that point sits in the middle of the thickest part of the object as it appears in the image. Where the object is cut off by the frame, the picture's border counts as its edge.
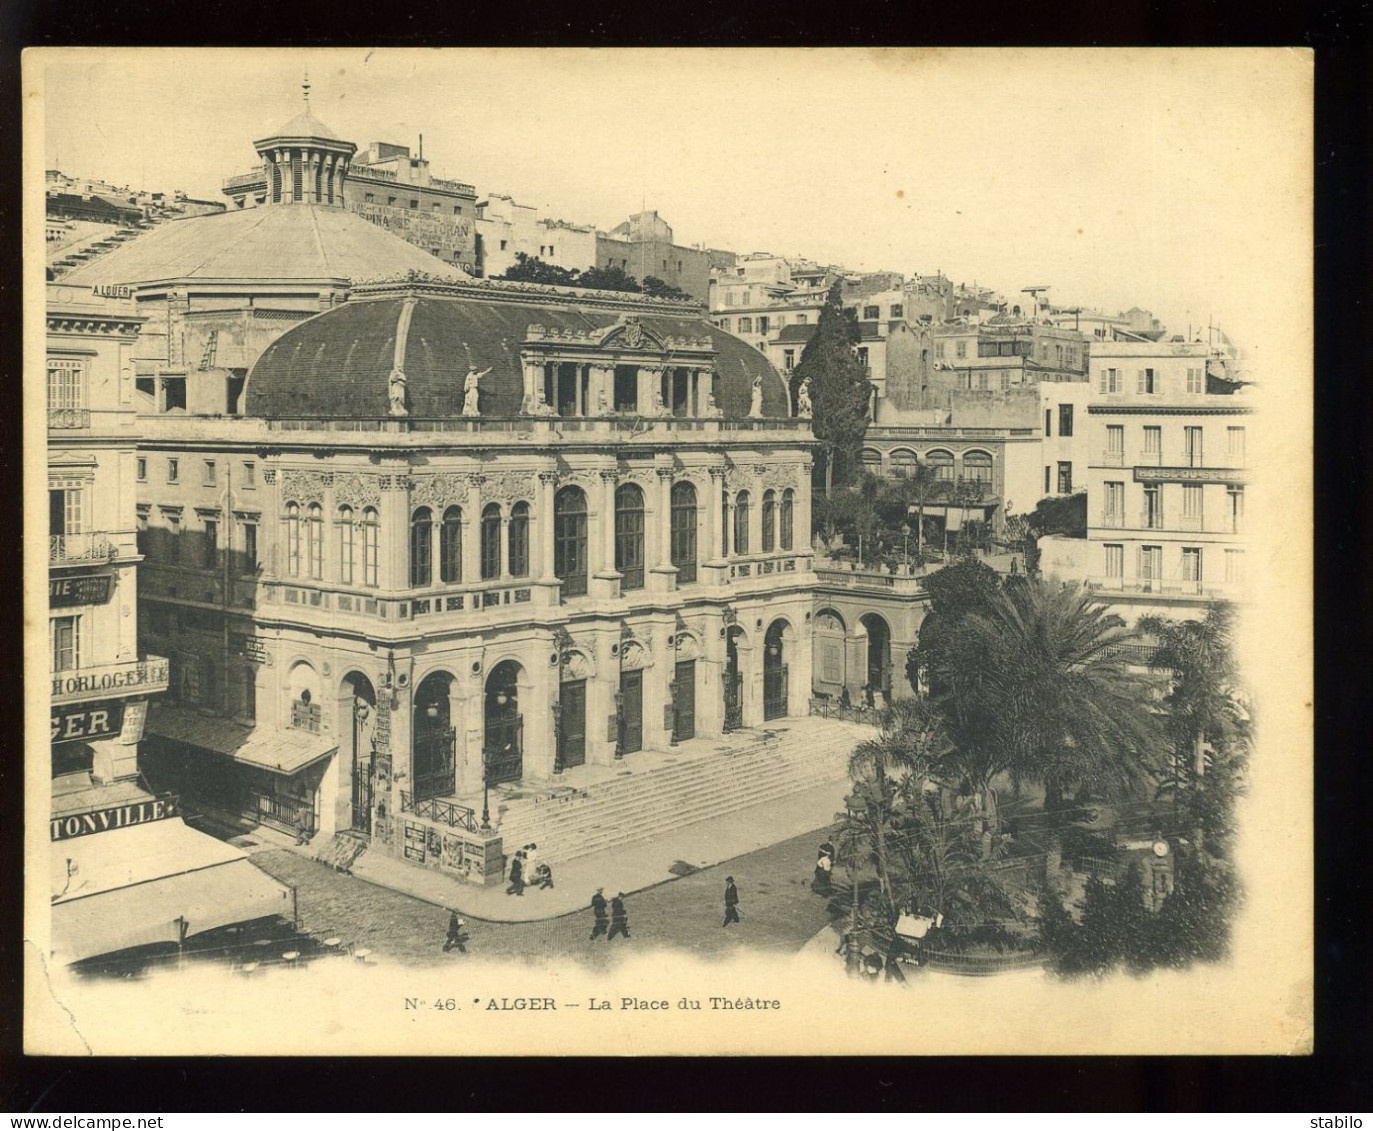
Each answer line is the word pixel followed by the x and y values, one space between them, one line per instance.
pixel 306 162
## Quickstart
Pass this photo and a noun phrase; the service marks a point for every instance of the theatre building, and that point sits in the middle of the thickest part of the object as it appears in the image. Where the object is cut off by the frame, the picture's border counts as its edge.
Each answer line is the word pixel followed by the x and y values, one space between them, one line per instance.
pixel 469 535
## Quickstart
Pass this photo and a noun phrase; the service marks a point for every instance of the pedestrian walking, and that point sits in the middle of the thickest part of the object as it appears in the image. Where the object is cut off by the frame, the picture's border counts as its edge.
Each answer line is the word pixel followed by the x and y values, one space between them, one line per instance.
pixel 823 864
pixel 455 940
pixel 516 876
pixel 619 918
pixel 731 902
pixel 602 921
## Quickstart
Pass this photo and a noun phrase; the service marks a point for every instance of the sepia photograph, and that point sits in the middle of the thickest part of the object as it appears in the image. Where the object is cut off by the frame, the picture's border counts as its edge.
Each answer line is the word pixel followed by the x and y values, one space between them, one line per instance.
pixel 636 551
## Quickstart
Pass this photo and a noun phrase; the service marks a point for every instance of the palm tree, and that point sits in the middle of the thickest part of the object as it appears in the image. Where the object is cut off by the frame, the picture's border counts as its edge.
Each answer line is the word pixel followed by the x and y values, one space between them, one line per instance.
pixel 1037 687
pixel 910 741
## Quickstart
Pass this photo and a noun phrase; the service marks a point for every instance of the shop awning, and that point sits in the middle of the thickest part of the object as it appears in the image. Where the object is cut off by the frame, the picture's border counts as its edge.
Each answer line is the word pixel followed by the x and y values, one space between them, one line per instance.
pixel 267 748
pixel 134 886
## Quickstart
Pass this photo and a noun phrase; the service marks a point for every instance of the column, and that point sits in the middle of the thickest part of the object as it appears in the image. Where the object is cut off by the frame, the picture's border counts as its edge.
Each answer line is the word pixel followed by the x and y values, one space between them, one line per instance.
pixel 715 505
pixel 643 391
pixel 602 389
pixel 581 378
pixel 658 540
pixel 607 540
pixel 755 517
pixel 542 521
pixel 471 532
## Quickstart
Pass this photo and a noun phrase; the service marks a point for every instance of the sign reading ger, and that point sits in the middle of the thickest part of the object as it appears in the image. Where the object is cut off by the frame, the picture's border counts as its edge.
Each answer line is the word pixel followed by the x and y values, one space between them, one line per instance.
pixel 116 817
pixel 91 720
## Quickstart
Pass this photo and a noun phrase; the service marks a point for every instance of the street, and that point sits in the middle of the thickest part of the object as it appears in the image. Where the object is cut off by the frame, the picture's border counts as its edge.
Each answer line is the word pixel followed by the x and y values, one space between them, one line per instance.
pixel 779 912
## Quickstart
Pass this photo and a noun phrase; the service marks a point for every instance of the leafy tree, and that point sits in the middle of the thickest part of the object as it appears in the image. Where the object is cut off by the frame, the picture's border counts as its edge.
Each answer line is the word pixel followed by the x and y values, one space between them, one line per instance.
pixel 956 591
pixel 656 288
pixel 531 269
pixel 609 279
pixel 839 388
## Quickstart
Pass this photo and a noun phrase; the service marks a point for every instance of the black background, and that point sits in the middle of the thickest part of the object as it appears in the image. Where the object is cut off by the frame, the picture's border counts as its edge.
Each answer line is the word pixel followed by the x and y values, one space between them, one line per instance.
pixel 1336 1079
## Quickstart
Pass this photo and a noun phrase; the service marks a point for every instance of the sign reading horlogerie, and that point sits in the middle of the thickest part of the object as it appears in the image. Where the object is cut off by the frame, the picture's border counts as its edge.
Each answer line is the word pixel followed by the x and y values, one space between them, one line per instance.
pixel 132 675
pixel 116 817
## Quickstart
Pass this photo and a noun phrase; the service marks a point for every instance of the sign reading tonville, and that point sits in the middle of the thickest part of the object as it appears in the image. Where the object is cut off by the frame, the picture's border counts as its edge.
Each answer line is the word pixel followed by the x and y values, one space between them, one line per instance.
pixel 112 817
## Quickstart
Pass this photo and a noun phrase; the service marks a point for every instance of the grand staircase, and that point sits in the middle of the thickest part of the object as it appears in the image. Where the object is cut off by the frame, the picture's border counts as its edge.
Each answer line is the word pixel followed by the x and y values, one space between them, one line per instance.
pixel 651 793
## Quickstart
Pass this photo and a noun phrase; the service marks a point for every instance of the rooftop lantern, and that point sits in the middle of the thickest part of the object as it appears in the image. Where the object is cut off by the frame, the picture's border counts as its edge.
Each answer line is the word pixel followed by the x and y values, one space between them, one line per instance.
pixel 305 161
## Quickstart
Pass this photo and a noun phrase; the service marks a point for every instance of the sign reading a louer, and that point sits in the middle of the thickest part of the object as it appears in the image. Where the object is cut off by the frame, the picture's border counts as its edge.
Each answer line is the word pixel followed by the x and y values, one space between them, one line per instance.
pixel 83 589
pixel 90 720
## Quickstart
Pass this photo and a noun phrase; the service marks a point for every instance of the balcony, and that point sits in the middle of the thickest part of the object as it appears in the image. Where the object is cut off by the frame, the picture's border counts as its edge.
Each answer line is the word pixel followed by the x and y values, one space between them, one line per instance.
pixel 1113 519
pixel 80 549
pixel 65 418
pixel 1191 522
pixel 1151 520
pixel 1113 458
pixel 145 676
pixel 1149 459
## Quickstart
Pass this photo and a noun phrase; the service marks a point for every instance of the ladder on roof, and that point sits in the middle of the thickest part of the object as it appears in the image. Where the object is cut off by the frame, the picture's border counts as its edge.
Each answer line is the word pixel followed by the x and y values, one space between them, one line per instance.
pixel 210 346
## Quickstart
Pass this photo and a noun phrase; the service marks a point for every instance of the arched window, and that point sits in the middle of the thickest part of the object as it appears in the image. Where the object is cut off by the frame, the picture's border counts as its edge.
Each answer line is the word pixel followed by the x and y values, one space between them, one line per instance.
pixel 903 463
pixel 977 468
pixel 450 545
pixel 788 502
pixel 569 540
pixel 629 536
pixel 371 538
pixel 871 459
pixel 518 550
pixel 684 531
pixel 314 539
pixel 421 547
pixel 769 520
pixel 491 541
pixel 293 539
pixel 741 523
pixel 942 462
pixel 345 545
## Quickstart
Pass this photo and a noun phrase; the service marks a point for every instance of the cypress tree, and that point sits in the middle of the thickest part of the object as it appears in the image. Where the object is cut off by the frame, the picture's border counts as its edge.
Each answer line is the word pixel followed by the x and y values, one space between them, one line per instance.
pixel 839 388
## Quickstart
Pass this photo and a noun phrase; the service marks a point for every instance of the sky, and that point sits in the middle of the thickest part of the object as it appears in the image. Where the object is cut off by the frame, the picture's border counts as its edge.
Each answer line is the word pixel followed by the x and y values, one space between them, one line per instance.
pixel 1178 181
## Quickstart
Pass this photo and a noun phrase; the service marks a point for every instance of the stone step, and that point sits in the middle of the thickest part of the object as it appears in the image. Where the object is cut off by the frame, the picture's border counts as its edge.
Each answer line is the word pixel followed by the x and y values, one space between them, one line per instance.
pixel 649 792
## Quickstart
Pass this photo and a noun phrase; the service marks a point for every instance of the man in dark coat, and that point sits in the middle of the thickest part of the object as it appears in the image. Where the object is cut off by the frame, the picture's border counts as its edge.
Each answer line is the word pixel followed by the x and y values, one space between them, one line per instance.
pixel 455 936
pixel 619 918
pixel 598 910
pixel 516 876
pixel 731 902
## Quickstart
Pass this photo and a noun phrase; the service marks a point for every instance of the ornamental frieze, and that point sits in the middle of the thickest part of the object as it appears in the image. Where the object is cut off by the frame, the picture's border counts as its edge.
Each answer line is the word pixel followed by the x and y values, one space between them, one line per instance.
pixel 511 487
pixel 439 490
pixel 305 486
pixel 357 490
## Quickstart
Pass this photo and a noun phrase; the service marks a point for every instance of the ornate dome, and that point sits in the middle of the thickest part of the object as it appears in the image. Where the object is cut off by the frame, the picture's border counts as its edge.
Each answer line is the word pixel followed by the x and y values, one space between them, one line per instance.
pixel 339 363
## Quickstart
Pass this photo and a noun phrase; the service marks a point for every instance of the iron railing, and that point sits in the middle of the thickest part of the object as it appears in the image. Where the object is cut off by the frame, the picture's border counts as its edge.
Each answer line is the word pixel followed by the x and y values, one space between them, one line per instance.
pixel 832 709
pixel 80 548
pixel 435 769
pixel 69 418
pixel 288 814
pixel 448 813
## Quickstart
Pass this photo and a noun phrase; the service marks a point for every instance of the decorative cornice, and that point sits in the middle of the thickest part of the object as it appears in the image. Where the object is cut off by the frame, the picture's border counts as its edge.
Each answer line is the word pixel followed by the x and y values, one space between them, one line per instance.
pixel 1168 410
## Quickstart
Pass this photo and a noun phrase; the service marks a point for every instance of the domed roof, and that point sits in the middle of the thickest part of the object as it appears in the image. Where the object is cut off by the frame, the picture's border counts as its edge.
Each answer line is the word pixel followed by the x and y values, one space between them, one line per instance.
pixel 297 241
pixel 339 363
pixel 303 125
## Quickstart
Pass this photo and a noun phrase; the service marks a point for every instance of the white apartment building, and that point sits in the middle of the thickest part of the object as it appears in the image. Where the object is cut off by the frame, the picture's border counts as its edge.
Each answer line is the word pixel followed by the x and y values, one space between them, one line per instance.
pixel 1166 481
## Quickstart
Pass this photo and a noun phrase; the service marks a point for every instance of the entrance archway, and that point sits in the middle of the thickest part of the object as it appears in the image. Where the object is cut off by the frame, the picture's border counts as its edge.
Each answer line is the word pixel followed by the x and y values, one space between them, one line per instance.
pixel 733 681
pixel 775 670
pixel 435 740
pixel 879 670
pixel 358 719
pixel 503 746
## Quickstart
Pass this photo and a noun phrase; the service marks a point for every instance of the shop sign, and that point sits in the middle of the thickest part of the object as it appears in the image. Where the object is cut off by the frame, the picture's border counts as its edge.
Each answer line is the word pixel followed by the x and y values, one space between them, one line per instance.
pixel 83 589
pixel 90 720
pixel 111 290
pixel 135 717
pixel 112 817
pixel 414 842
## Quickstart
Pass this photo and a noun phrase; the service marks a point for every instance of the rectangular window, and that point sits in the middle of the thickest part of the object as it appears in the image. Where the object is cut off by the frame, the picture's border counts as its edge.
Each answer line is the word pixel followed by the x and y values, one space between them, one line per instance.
pixel 1196 380
pixel 1115 562
pixel 1048 422
pixel 249 694
pixel 1115 444
pixel 209 480
pixel 210 546
pixel 1150 567
pixel 1234 445
pixel 1113 511
pixel 1153 507
pixel 249 473
pixel 142 469
pixel 1235 498
pixel 871 313
pixel 1065 478
pixel 1191 568
pixel 1191 506
pixel 1065 420
pixel 249 540
pixel 961 349
pixel 1191 446
pixel 1147 384
pixel 746 325
pixel 1234 566
pixel 173 470
pixel 1048 471
pixel 1110 380
pixel 762 323
pixel 66 643
pixel 1153 439
pixel 897 310
pixel 939 350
